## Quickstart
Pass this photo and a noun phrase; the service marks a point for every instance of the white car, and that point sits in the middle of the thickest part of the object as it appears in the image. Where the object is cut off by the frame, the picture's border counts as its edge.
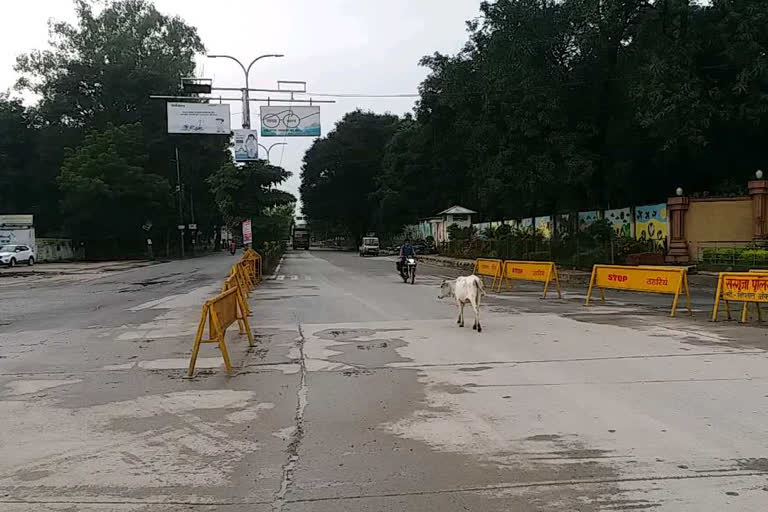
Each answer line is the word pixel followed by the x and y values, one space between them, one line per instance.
pixel 12 254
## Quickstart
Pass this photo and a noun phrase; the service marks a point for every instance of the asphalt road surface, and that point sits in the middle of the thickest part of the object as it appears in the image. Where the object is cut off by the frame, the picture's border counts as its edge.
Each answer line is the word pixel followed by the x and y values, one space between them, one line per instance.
pixel 363 394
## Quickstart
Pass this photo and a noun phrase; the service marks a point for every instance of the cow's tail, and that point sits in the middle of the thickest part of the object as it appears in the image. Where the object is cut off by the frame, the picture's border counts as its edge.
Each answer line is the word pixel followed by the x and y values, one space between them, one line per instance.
pixel 480 288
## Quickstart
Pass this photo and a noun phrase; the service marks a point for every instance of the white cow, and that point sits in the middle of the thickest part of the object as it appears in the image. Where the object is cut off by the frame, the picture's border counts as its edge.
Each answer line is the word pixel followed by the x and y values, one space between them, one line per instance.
pixel 466 289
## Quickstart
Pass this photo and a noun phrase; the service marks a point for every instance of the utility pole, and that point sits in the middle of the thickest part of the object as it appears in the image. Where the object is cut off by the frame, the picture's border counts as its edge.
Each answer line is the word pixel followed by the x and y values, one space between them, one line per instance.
pixel 268 149
pixel 181 205
pixel 246 72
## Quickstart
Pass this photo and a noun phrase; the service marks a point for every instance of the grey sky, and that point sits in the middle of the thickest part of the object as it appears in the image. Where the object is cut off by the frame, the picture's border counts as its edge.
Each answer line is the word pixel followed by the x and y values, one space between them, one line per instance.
pixel 336 46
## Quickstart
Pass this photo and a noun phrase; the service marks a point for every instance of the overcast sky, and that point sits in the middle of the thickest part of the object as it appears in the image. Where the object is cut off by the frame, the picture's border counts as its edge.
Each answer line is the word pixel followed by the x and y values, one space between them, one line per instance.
pixel 336 46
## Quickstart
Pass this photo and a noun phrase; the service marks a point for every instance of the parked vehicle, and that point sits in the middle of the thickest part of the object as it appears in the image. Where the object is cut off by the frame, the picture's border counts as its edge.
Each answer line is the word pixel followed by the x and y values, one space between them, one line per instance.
pixel 370 246
pixel 12 254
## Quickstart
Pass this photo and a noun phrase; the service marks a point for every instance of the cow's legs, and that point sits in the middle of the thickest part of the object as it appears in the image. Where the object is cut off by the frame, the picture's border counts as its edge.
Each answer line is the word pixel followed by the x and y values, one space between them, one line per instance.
pixel 461 314
pixel 476 308
pixel 458 320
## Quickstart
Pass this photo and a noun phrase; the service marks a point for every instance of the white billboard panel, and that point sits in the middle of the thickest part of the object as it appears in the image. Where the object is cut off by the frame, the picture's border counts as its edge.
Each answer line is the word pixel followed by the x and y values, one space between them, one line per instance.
pixel 246 145
pixel 290 121
pixel 198 118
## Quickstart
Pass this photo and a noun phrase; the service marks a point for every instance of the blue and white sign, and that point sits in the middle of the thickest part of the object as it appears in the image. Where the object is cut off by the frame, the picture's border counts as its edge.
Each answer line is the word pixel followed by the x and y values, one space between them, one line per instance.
pixel 290 121
pixel 246 146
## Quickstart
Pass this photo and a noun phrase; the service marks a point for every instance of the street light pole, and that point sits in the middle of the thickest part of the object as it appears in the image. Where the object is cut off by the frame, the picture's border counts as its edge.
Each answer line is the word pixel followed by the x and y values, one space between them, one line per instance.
pixel 246 72
pixel 181 210
pixel 270 147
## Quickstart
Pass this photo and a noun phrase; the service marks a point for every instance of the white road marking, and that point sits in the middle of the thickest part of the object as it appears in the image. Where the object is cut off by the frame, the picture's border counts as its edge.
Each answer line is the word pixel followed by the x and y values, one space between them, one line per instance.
pixel 280 277
pixel 294 278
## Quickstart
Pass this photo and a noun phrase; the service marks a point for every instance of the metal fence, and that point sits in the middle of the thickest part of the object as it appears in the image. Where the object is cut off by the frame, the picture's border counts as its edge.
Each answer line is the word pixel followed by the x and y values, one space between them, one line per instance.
pixel 732 255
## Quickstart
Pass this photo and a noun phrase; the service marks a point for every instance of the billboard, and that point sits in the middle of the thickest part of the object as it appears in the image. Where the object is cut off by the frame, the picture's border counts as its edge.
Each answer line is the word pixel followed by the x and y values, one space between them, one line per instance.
pixel 290 121
pixel 246 146
pixel 247 233
pixel 198 118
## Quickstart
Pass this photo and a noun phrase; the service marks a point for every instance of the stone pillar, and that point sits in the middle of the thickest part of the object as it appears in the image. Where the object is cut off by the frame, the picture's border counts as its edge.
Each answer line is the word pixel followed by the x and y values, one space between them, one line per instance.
pixel 758 190
pixel 678 244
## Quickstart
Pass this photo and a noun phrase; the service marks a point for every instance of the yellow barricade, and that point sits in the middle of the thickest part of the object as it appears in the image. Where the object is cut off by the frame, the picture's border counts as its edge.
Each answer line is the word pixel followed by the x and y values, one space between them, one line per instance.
pixel 541 271
pixel 219 313
pixel 242 273
pixel 668 280
pixel 254 260
pixel 233 281
pixel 743 287
pixel 488 268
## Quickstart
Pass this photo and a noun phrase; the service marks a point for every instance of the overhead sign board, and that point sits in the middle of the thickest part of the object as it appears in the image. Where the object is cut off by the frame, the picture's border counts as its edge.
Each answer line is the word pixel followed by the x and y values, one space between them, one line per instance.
pixel 290 121
pixel 16 220
pixel 247 234
pixel 199 118
pixel 246 145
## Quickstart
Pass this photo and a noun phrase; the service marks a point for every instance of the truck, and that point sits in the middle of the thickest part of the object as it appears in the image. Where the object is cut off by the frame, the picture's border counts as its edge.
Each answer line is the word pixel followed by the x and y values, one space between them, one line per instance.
pixel 300 234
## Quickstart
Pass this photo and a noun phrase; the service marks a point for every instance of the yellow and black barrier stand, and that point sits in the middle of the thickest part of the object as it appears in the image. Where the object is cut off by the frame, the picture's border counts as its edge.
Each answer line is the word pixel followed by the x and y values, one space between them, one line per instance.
pixel 746 287
pixel 219 313
pixel 666 280
pixel 488 268
pixel 537 271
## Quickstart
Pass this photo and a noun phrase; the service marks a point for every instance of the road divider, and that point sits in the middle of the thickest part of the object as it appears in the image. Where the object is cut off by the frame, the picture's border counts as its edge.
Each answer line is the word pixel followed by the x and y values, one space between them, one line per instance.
pixel 538 271
pixel 254 264
pixel 665 280
pixel 234 281
pixel 743 287
pixel 229 307
pixel 488 268
pixel 218 314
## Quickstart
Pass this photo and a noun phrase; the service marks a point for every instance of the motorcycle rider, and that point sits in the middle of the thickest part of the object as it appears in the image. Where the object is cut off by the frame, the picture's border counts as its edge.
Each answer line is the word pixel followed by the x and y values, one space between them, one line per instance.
pixel 406 251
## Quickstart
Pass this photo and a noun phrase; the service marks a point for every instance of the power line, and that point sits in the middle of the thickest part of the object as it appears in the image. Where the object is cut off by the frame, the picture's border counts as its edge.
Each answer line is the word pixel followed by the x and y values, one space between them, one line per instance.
pixel 353 95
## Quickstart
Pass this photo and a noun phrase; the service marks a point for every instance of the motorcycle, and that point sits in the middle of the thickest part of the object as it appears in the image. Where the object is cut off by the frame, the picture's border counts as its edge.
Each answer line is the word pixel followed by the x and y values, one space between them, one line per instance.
pixel 408 269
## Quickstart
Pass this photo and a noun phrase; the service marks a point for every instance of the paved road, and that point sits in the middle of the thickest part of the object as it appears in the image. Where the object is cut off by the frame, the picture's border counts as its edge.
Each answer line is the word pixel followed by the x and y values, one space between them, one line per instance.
pixel 363 394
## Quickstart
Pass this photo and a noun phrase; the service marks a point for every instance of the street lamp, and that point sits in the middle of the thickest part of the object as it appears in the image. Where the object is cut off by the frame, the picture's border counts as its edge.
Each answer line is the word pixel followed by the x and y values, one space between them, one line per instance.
pixel 246 72
pixel 262 146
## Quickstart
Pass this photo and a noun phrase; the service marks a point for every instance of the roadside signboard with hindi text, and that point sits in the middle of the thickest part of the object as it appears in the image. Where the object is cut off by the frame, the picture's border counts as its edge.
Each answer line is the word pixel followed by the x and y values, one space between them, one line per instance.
pixel 668 280
pixel 247 233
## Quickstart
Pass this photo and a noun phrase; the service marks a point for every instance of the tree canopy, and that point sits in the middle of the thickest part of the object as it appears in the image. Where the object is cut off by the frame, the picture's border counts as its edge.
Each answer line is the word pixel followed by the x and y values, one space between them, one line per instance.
pixel 92 158
pixel 555 106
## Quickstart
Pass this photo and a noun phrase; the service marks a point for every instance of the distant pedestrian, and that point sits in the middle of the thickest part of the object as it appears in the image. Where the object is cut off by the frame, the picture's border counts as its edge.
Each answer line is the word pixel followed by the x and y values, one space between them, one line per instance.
pixel 232 247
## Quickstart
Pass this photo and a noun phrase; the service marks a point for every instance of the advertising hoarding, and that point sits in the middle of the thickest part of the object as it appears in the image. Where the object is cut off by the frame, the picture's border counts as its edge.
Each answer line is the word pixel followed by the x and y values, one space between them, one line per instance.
pixel 282 121
pixel 198 118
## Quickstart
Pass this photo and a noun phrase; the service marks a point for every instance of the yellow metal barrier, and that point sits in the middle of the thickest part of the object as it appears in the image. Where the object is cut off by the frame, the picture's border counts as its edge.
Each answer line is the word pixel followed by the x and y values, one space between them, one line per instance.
pixel 254 260
pixel 743 287
pixel 541 271
pixel 233 281
pixel 488 268
pixel 667 280
pixel 219 313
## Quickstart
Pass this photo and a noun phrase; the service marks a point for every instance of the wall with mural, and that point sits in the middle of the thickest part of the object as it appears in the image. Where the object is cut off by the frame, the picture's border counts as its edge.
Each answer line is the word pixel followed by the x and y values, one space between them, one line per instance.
pixel 651 222
pixel 621 221
pixel 586 219
pixel 544 226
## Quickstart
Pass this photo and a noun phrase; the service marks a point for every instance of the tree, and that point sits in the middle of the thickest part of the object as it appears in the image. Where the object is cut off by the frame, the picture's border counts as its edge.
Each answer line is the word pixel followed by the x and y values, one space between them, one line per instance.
pixel 100 72
pixel 108 192
pixel 340 171
pixel 246 192
pixel 17 156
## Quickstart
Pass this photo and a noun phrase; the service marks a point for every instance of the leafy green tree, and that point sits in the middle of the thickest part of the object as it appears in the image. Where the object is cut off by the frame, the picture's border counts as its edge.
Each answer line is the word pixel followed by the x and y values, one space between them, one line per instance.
pixel 100 72
pixel 108 191
pixel 340 171
pixel 247 192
